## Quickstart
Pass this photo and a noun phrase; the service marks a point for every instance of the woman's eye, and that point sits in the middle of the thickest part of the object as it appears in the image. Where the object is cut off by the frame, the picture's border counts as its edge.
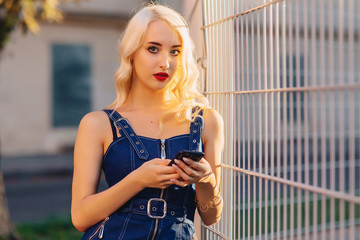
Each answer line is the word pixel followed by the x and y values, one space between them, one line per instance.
pixel 175 52
pixel 153 49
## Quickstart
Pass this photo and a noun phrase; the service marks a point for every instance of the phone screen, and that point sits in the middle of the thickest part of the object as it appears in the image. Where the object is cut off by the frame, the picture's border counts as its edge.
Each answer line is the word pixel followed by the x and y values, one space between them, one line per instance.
pixel 193 155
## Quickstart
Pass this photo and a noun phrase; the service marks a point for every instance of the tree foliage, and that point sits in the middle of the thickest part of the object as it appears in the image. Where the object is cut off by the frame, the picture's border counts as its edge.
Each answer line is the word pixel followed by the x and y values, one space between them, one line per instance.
pixel 26 13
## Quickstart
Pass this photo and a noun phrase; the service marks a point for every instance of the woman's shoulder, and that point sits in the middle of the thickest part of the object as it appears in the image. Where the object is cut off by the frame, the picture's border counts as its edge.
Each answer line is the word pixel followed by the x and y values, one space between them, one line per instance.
pixel 213 125
pixel 212 119
pixel 94 120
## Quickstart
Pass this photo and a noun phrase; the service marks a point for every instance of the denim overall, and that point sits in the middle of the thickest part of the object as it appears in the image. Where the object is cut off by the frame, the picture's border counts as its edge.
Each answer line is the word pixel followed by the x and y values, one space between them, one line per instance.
pixel 153 213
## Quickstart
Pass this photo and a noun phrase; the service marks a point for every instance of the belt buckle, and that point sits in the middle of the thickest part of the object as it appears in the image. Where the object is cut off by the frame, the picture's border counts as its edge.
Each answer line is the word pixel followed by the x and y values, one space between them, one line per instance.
pixel 149 208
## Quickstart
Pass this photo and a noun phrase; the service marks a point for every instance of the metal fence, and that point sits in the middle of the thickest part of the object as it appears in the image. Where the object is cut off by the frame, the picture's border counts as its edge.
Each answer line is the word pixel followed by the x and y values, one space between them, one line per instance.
pixel 285 75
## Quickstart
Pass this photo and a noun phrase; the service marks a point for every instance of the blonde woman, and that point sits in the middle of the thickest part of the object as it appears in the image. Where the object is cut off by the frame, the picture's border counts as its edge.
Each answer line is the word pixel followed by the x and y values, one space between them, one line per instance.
pixel 157 113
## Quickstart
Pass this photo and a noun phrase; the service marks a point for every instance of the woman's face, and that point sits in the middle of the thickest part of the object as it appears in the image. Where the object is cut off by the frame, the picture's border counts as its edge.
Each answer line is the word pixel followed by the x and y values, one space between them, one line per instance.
pixel 155 62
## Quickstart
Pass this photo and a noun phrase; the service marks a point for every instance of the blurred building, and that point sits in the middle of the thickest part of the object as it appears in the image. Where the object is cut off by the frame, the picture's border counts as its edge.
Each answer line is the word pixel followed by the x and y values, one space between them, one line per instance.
pixel 49 81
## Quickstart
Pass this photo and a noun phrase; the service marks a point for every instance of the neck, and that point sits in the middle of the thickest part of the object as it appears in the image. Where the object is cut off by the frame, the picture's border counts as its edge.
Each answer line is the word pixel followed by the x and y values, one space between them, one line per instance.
pixel 149 100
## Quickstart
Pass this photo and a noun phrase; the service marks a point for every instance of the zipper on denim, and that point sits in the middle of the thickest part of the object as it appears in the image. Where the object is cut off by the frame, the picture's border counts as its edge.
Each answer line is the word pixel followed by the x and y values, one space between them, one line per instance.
pixel 100 230
pixel 163 156
pixel 162 148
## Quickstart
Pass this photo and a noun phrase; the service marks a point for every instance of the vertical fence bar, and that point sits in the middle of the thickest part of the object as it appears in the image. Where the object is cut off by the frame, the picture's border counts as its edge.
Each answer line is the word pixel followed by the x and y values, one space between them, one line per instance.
pixel 306 120
pixel 352 109
pixel 217 51
pixel 341 116
pixel 253 69
pixel 331 78
pixel 323 119
pixel 284 122
pixel 222 102
pixel 266 136
pixel 259 122
pixel 232 103
pixel 212 49
pixel 243 119
pixel 220 41
pixel 278 120
pixel 272 122
pixel 206 54
pixel 230 87
pixel 298 119
pixel 356 170
pixel 248 165
pixel 212 70
pixel 249 122
pixel 238 119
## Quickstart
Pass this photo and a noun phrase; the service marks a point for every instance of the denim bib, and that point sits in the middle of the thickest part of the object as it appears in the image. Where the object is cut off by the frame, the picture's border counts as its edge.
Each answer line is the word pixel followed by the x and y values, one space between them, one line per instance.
pixel 153 213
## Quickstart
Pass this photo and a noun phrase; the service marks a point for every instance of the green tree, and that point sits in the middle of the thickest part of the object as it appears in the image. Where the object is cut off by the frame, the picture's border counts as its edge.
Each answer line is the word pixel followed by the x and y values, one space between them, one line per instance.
pixel 25 14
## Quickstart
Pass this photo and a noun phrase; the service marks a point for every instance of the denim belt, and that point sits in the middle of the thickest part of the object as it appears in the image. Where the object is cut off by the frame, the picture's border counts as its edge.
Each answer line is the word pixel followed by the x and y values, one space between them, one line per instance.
pixel 156 208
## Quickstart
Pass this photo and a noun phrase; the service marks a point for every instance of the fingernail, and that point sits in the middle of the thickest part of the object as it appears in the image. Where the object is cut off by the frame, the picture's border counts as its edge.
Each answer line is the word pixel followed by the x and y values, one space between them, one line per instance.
pixel 186 159
pixel 173 180
pixel 175 166
pixel 177 161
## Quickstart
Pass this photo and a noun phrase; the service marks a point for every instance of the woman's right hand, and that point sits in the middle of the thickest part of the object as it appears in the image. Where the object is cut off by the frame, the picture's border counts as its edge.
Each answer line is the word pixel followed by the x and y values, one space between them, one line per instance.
pixel 156 173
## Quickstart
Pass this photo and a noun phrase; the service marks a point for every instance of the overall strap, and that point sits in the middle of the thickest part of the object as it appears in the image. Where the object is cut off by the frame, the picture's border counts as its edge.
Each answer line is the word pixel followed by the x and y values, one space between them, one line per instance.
pixel 122 124
pixel 113 128
pixel 195 143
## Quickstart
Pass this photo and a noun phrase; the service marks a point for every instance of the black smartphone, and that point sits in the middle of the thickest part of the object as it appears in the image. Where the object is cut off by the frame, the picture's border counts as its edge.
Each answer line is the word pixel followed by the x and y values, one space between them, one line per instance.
pixel 193 155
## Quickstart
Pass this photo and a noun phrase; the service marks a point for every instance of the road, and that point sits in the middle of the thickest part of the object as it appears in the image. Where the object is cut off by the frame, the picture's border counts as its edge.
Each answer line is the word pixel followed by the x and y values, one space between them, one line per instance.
pixel 35 198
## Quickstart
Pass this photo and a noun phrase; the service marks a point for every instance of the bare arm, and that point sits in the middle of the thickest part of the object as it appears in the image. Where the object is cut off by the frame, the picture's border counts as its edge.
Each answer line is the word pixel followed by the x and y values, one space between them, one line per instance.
pixel 89 207
pixel 208 189
pixel 206 173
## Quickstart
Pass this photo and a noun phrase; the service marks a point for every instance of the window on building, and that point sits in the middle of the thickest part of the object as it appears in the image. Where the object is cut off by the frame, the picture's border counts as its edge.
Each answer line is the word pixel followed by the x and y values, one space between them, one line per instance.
pixel 71 83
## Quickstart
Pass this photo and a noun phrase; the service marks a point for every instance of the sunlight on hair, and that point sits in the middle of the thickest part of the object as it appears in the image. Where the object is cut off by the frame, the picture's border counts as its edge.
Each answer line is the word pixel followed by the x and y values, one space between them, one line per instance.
pixel 184 85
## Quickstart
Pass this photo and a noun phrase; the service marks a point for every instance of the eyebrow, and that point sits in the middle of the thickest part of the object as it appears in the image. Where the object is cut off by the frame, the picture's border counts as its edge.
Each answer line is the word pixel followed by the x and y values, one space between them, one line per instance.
pixel 159 44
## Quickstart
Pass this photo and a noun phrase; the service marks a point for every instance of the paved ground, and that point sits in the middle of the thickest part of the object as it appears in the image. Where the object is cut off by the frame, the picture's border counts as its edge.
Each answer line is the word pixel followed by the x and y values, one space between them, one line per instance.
pixel 38 199
pixel 38 187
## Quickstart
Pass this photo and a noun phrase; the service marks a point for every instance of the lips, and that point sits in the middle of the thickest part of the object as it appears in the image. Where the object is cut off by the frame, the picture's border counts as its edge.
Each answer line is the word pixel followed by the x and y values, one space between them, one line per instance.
pixel 161 76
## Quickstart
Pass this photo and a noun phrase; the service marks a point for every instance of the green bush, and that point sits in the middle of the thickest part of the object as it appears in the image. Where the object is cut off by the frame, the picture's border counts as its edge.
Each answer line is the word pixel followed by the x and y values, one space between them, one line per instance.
pixel 54 228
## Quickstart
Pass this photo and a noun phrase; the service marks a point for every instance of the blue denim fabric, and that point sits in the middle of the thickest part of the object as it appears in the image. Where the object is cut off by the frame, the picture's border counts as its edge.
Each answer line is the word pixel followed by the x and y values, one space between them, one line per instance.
pixel 132 221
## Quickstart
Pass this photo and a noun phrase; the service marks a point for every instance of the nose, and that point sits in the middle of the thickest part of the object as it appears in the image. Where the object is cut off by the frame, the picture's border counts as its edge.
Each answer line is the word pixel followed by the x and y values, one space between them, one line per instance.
pixel 164 62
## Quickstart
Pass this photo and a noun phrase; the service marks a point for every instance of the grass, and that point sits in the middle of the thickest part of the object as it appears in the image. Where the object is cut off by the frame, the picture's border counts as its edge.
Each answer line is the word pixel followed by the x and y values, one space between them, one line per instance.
pixel 327 208
pixel 53 228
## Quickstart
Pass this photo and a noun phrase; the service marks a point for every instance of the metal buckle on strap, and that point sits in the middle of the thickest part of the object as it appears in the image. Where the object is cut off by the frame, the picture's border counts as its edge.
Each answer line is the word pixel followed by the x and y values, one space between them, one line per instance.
pixel 118 120
pixel 149 208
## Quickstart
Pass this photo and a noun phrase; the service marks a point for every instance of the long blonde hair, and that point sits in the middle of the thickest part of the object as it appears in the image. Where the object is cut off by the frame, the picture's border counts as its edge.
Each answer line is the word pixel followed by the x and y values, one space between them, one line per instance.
pixel 184 84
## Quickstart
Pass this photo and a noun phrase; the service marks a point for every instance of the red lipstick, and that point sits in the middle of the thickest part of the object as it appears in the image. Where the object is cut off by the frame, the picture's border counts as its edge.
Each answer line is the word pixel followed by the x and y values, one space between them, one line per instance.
pixel 161 76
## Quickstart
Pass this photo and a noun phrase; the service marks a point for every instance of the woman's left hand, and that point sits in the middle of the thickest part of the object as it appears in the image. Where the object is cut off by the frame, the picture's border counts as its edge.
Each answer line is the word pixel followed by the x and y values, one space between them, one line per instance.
pixel 191 171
